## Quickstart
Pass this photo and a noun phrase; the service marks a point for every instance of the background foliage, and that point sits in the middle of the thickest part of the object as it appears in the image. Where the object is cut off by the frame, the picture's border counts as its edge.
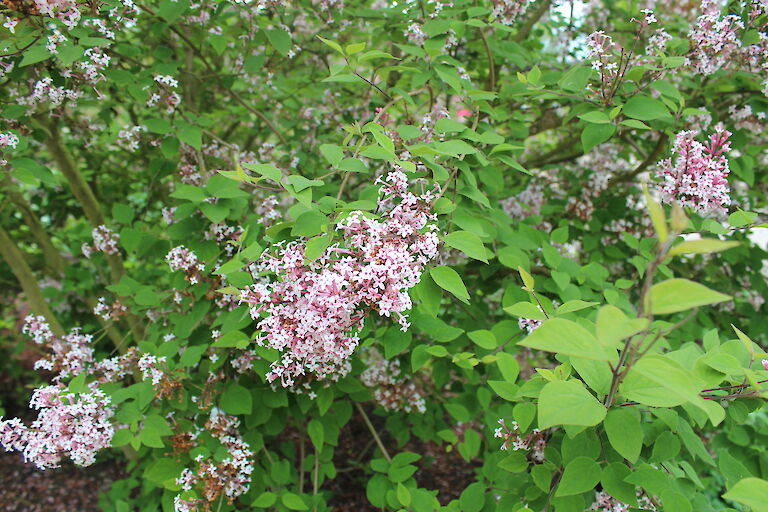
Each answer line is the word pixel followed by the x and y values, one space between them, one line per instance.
pixel 621 353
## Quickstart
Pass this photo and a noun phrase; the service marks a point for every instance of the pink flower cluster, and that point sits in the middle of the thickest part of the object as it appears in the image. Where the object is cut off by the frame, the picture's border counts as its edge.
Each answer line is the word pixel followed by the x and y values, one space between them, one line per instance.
pixel 130 137
pixel 230 477
pixel 714 39
pixel 508 11
pixel 313 310
pixel 104 239
pixel 604 502
pixel 165 96
pixel 8 140
pixel 152 367
pixel 64 10
pixel 602 50
pixel 73 424
pixel 698 176
pixel 109 311
pixel 70 354
pixel 533 441
pixel 181 258
pixel 391 390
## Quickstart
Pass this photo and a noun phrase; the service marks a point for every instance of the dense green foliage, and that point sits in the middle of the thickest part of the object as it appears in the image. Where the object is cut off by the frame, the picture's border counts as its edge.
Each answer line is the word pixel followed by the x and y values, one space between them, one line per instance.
pixel 618 325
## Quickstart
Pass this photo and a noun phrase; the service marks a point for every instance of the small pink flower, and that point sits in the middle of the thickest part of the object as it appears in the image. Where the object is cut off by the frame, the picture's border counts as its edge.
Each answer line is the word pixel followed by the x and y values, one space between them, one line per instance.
pixel 462 114
pixel 765 363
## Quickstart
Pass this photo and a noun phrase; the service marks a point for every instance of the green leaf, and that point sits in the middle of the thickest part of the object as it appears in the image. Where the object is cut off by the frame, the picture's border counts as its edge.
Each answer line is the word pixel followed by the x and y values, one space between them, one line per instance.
pixel 527 279
pixel 645 108
pixel 752 492
pixel 625 433
pixel 191 135
pixel 526 310
pixel 237 400
pixel 568 403
pixel 674 295
pixel 293 501
pixel 563 336
pixel 667 373
pixel 333 153
pixel 473 498
pixel 595 134
pixel 266 170
pixel 613 325
pixel 310 223
pixel 403 494
pixel 446 124
pixel 454 148
pixel 468 243
pixel 265 500
pixel 352 165
pixel 581 475
pixel 596 117
pixel 633 123
pixel 508 366
pixel 163 470
pixel 332 44
pixel 484 339
pixel 702 246
pixel 574 305
pixel 449 280
pixel 280 40
pixel 658 218
pixel 316 246
pixel 316 433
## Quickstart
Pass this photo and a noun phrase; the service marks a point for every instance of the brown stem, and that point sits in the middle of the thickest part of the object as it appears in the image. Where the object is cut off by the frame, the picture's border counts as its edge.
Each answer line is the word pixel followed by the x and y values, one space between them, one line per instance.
pixel 375 434
pixel 87 199
pixel 18 263
pixel 53 260
pixel 542 7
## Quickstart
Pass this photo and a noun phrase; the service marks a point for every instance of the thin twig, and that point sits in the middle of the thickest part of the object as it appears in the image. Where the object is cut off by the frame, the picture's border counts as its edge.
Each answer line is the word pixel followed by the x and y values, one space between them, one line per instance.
pixel 373 432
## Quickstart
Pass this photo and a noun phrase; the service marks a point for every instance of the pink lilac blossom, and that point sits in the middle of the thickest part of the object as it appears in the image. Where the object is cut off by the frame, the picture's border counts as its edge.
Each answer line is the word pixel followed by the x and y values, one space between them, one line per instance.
pixel 314 309
pixel 107 311
pixel 44 90
pixel 230 477
pixel 181 258
pixel 604 502
pixel 73 424
pixel 508 11
pixel 70 354
pixel 533 441
pixel 165 96
pixel 697 178
pixel 130 136
pixel 168 214
pixel 390 389
pixel 64 10
pixel 152 367
pixel 714 39
pixel 105 240
pixel 8 140
pixel 415 34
